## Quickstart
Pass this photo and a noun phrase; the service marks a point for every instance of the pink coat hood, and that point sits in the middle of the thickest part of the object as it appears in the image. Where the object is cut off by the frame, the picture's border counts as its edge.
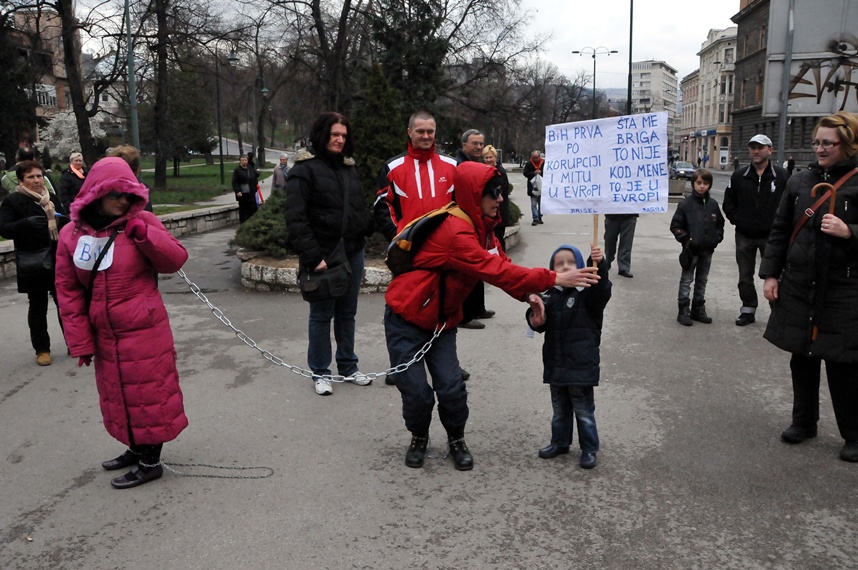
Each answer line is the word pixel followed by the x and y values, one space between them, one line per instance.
pixel 108 175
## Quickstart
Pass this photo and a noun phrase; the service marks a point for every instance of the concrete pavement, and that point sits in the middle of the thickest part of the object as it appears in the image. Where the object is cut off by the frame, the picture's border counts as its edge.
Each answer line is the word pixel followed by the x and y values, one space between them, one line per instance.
pixel 691 473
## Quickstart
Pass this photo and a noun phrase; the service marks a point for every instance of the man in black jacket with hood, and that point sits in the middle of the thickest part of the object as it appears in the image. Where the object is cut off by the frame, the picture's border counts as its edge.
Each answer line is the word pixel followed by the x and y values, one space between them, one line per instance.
pixel 750 203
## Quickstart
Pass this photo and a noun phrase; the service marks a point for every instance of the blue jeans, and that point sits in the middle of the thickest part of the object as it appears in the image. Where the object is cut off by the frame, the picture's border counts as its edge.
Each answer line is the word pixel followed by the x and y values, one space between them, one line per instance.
pixel 536 208
pixel 418 397
pixel 699 273
pixel 574 403
pixel 342 311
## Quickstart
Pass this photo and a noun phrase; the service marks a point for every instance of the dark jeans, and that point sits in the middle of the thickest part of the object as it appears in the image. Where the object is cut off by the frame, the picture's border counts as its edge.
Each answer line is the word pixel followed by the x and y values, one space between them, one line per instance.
pixel 699 273
pixel 624 229
pixel 746 259
pixel 842 384
pixel 574 403
pixel 418 397
pixel 37 318
pixel 342 311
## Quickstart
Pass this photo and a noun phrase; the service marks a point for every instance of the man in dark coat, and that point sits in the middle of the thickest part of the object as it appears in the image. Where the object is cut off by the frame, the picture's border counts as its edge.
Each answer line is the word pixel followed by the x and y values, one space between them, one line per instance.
pixel 750 203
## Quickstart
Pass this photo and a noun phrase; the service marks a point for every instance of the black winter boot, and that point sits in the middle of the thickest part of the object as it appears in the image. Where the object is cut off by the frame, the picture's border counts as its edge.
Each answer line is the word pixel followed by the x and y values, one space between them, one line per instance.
pixel 462 458
pixel 698 313
pixel 684 316
pixel 416 454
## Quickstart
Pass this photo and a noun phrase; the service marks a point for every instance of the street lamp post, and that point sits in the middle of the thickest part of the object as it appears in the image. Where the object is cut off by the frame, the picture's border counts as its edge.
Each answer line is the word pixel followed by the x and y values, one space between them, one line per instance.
pixel 259 80
pixel 231 58
pixel 601 50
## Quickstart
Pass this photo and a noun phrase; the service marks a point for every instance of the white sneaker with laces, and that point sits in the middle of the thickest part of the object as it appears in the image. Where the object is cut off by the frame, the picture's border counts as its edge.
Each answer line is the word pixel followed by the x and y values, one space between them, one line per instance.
pixel 323 387
pixel 361 379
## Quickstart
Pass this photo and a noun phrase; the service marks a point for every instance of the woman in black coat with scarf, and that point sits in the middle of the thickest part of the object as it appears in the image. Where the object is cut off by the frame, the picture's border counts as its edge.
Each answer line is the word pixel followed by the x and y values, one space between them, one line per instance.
pixel 810 269
pixel 32 217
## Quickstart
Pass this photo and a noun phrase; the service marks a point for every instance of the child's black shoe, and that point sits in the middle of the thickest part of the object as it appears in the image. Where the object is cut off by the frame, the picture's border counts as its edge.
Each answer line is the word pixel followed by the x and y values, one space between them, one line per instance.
pixel 588 460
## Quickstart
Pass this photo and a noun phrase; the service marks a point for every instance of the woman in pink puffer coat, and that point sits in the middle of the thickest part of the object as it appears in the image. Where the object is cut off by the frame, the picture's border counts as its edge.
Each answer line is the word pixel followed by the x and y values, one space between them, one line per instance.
pixel 118 320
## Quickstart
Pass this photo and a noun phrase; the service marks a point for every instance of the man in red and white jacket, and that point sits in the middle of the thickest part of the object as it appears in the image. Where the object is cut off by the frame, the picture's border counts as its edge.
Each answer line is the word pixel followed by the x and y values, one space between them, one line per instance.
pixel 448 264
pixel 415 182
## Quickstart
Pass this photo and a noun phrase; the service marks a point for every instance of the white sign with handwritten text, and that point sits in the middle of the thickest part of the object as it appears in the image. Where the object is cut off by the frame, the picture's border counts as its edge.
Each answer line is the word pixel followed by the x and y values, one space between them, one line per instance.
pixel 616 165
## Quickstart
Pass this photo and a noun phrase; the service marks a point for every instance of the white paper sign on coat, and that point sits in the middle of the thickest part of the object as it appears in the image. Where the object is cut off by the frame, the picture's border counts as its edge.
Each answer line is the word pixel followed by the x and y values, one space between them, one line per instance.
pixel 616 165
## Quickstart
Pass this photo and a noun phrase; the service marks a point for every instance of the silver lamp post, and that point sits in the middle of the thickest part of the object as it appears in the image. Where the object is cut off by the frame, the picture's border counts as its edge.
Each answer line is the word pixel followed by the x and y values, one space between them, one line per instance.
pixel 601 50
pixel 231 59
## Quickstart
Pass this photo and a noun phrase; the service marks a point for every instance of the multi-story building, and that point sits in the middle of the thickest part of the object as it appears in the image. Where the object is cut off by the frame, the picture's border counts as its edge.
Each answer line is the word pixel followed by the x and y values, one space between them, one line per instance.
pixel 707 96
pixel 40 40
pixel 690 87
pixel 654 89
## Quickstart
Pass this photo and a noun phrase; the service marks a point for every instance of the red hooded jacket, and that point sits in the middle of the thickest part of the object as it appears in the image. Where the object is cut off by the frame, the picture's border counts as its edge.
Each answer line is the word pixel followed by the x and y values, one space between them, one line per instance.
pixel 461 255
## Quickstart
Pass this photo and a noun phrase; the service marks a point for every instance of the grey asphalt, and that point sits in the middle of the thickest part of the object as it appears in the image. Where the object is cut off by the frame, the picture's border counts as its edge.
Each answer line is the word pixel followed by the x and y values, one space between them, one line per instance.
pixel 691 473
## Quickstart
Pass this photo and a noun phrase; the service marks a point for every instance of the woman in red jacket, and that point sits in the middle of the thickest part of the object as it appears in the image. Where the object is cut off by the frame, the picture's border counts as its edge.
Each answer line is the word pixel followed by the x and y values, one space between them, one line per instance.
pixel 116 317
pixel 447 266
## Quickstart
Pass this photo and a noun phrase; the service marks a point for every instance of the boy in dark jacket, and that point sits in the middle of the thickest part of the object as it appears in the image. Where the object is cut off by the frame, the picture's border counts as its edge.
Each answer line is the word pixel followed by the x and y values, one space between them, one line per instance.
pixel 572 323
pixel 699 226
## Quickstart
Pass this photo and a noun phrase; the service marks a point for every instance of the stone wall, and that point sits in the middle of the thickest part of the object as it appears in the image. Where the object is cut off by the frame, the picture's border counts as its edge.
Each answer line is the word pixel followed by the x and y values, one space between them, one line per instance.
pixel 179 224
pixel 260 273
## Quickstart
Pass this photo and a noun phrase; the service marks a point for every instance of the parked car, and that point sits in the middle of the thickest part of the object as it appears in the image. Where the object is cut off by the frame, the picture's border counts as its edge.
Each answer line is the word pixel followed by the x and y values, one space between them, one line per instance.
pixel 681 170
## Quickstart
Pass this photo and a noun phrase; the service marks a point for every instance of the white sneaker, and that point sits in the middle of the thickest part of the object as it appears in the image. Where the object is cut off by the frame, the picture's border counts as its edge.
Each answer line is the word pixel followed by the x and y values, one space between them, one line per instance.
pixel 323 387
pixel 361 379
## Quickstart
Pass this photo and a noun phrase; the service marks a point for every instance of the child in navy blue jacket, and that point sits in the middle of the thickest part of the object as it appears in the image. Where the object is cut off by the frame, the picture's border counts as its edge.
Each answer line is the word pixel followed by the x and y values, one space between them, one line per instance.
pixel 572 322
pixel 699 226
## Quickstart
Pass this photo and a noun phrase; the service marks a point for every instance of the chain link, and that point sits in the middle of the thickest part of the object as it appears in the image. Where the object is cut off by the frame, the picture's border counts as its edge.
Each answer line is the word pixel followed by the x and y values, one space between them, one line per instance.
pixel 211 475
pixel 242 336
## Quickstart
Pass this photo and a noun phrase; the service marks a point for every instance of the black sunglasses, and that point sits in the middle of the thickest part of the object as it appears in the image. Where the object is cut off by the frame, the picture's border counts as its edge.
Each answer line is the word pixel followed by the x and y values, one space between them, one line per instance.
pixel 119 195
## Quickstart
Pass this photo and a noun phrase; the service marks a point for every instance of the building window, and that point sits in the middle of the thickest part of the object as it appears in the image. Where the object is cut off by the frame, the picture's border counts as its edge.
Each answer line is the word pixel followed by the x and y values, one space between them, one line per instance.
pixel 728 55
pixel 745 46
pixel 721 118
pixel 104 97
pixel 763 37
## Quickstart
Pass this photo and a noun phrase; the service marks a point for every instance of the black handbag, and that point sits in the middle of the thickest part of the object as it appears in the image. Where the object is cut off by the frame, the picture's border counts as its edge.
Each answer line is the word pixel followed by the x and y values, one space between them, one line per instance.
pixel 35 263
pixel 332 283
pixel 336 280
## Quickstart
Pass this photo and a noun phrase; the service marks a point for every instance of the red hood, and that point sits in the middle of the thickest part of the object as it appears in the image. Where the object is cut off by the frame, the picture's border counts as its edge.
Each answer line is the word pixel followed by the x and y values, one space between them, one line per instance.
pixel 471 178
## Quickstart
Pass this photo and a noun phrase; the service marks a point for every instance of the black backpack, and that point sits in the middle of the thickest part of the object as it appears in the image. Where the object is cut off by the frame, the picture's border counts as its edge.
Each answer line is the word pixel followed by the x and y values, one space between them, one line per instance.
pixel 400 253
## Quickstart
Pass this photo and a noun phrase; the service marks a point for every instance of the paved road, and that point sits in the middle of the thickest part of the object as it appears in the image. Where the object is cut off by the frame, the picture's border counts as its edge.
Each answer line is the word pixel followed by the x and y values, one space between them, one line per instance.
pixel 691 473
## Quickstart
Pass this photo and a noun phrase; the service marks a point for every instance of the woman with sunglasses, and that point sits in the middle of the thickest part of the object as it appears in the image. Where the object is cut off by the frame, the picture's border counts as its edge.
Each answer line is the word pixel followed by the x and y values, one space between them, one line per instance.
pixel 107 263
pixel 32 217
pixel 810 269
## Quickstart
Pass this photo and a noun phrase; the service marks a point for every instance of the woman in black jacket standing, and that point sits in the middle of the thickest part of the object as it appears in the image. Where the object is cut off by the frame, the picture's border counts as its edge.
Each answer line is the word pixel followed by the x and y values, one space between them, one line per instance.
pixel 71 180
pixel 316 215
pixel 32 217
pixel 811 279
pixel 244 180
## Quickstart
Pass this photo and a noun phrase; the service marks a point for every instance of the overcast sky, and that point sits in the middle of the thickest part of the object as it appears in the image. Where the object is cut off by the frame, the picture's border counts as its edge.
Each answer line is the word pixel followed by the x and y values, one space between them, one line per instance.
pixel 667 30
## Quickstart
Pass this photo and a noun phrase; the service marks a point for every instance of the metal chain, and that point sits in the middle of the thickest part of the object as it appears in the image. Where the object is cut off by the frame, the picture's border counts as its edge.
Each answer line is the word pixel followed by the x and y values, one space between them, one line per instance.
pixel 212 476
pixel 418 356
